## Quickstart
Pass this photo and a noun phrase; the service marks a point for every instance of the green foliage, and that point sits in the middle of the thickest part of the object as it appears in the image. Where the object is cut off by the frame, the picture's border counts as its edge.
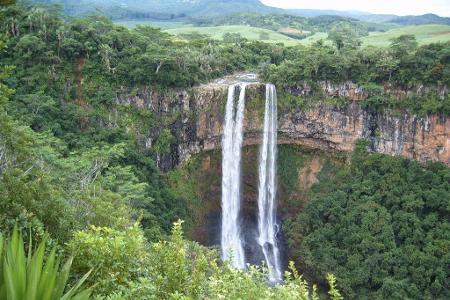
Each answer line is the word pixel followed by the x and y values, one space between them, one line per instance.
pixel 179 268
pixel 421 105
pixel 290 160
pixel 404 45
pixel 333 292
pixel 164 141
pixel 398 65
pixel 35 276
pixel 404 66
pixel 184 270
pixel 67 160
pixel 344 37
pixel 377 224
pixel 116 257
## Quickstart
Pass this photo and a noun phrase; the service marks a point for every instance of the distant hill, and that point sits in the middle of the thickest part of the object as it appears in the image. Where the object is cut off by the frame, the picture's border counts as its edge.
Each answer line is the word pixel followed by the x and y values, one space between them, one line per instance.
pixel 162 9
pixel 421 20
pixel 320 12
pixel 376 18
pixel 179 9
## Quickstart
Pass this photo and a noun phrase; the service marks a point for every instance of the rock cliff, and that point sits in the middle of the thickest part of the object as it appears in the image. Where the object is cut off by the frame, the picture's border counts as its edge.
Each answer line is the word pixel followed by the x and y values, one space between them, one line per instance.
pixel 197 117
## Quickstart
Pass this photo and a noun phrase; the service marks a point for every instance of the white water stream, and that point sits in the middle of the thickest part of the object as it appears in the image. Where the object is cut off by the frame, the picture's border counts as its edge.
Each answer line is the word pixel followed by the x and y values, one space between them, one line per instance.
pixel 267 226
pixel 232 248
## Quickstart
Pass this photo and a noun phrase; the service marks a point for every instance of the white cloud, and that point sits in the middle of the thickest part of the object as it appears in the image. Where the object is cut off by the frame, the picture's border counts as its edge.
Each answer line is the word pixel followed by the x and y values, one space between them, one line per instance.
pixel 399 7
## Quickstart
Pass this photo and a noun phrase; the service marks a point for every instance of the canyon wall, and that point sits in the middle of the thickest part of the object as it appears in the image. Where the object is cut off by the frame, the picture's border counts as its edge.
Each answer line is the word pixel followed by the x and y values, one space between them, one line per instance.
pixel 198 118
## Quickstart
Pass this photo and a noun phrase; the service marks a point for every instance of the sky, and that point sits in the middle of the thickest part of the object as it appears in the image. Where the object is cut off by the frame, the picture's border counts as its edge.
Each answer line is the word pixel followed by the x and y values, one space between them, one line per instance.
pixel 398 7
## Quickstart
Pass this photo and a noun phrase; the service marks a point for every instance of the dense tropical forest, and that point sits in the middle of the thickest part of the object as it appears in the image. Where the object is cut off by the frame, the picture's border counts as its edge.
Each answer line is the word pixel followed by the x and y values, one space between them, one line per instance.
pixel 88 212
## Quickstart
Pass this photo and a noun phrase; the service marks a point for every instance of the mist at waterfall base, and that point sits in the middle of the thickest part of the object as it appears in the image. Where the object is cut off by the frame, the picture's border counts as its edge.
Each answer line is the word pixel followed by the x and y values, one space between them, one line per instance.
pixel 250 239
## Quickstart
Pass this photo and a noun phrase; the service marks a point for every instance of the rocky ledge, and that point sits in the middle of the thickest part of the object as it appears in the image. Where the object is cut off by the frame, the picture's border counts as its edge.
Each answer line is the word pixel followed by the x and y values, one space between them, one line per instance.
pixel 201 111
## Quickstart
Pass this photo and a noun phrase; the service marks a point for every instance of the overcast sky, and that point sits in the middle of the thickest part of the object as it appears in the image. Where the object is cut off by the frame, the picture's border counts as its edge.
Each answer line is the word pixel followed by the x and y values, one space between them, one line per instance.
pixel 398 7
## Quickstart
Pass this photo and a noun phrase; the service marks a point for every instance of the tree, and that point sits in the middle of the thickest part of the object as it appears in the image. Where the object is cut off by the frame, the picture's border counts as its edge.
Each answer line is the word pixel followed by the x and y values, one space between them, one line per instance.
pixel 344 37
pixel 403 45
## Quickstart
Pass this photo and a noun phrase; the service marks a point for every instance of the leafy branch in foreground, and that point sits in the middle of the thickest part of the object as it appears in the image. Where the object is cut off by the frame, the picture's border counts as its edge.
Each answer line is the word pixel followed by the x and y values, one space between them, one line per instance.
pixel 34 276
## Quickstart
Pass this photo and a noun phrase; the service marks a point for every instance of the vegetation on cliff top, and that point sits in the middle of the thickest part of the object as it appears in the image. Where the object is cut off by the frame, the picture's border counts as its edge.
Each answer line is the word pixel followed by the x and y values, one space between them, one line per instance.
pixel 403 65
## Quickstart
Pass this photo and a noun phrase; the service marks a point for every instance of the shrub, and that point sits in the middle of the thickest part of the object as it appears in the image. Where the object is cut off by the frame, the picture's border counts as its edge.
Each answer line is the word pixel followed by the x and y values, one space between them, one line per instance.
pixel 117 257
pixel 179 267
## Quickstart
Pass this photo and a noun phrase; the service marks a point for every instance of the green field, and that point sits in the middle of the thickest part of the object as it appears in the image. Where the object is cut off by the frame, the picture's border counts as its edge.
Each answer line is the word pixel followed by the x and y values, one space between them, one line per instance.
pixel 425 34
pixel 251 33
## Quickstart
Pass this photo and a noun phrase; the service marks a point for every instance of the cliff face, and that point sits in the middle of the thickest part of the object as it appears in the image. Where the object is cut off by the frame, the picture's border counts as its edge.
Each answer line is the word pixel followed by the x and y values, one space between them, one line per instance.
pixel 200 111
pixel 329 128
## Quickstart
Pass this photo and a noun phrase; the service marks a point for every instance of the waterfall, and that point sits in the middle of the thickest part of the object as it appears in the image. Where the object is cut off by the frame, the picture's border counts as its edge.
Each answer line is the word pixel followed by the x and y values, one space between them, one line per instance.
pixel 231 242
pixel 267 226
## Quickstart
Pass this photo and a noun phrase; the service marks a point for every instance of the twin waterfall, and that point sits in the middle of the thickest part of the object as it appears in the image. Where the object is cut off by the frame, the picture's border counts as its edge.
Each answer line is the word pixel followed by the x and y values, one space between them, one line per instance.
pixel 231 239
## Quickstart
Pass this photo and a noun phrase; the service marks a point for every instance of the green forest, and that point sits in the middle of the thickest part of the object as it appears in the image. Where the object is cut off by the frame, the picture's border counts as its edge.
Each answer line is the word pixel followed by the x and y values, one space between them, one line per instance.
pixel 88 212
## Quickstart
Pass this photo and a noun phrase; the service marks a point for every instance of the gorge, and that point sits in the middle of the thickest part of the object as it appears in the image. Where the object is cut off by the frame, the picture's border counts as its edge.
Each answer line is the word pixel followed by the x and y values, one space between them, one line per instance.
pixel 323 130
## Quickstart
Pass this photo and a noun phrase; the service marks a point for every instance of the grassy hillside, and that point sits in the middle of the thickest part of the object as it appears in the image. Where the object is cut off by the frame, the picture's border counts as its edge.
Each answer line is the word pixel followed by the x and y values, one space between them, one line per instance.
pixel 425 34
pixel 251 33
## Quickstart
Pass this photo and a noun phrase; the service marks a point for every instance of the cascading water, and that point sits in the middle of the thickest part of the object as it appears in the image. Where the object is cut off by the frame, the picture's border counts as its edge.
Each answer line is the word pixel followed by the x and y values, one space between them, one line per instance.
pixel 231 242
pixel 267 226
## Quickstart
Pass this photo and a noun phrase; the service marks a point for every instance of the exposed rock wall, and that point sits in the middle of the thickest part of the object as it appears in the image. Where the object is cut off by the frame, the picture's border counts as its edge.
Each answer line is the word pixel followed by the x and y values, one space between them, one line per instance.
pixel 330 128
pixel 198 125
